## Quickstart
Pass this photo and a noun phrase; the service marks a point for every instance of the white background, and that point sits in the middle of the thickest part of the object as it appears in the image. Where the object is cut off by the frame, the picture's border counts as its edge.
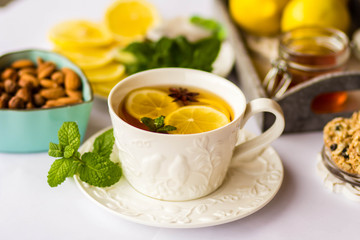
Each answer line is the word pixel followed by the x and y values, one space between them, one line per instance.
pixel 30 209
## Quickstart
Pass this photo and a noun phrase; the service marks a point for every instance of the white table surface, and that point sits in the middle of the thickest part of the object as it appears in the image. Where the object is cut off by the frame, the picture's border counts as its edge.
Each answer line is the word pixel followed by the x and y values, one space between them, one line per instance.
pixel 30 209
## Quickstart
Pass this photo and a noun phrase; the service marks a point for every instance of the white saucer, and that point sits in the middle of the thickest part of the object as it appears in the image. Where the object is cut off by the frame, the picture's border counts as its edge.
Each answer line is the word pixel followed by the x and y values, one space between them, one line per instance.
pixel 336 185
pixel 246 189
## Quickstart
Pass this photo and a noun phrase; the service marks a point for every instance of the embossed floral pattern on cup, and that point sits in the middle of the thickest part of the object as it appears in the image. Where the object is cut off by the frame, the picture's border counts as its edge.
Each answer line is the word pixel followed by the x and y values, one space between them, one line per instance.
pixel 179 167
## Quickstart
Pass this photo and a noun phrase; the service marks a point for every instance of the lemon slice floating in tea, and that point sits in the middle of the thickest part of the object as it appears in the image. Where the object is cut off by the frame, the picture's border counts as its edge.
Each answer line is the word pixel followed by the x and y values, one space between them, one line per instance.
pixel 130 19
pixel 211 103
pixel 149 103
pixel 80 33
pixel 108 73
pixel 196 119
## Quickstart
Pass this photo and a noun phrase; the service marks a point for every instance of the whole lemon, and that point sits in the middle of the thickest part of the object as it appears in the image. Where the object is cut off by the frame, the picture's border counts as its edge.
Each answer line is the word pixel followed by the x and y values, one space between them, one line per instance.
pixel 260 17
pixel 323 13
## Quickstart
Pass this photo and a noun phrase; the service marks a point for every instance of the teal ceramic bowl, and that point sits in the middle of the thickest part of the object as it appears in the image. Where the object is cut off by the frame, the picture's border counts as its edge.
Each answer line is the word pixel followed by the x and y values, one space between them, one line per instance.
pixel 24 131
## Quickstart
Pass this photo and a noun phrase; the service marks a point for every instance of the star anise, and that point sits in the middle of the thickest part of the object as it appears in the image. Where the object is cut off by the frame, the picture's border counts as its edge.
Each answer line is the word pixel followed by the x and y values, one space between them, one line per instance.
pixel 183 95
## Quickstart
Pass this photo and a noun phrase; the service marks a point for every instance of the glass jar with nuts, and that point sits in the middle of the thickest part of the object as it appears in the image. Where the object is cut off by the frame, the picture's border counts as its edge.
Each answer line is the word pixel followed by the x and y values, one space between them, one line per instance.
pixel 27 85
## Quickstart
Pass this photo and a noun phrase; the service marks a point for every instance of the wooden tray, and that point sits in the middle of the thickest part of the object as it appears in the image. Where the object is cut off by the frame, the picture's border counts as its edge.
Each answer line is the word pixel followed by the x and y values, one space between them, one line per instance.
pixel 296 102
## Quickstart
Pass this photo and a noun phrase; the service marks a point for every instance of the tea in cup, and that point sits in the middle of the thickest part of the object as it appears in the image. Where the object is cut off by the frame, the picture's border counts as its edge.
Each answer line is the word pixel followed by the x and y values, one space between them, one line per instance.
pixel 182 148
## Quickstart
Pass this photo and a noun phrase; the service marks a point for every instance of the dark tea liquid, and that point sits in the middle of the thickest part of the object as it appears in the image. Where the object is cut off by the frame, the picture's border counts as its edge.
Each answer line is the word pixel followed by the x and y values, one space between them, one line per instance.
pixel 205 98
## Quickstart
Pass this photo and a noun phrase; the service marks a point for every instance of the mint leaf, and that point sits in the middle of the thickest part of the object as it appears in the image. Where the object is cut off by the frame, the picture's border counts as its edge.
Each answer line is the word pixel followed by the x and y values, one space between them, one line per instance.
pixel 183 52
pixel 55 150
pixel 166 128
pixel 68 151
pixel 95 167
pixel 157 124
pixel 104 143
pixel 59 170
pixel 212 25
pixel 206 52
pixel 171 52
pixel 69 135
pixel 74 168
pixel 99 171
pixel 77 155
pixel 149 123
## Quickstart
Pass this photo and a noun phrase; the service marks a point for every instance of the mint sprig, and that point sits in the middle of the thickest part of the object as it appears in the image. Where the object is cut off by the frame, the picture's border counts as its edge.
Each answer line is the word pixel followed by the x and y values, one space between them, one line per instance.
pixel 171 52
pixel 216 28
pixel 94 168
pixel 157 124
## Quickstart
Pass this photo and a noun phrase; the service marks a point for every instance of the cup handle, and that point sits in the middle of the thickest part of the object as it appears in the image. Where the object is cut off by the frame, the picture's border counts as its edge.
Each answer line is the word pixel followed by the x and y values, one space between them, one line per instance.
pixel 248 150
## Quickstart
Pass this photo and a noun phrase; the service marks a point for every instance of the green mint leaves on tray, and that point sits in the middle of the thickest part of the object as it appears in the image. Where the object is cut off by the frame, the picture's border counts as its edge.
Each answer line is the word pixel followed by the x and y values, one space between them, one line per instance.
pixel 175 52
pixel 157 124
pixel 212 25
pixel 94 168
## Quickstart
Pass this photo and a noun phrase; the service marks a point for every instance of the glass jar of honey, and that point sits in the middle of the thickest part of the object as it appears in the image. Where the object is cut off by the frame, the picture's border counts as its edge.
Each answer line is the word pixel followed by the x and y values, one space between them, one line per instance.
pixel 305 53
pixel 312 51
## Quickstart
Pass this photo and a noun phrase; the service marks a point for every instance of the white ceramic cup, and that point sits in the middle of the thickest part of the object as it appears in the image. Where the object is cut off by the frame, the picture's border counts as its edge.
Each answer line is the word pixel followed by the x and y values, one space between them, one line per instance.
pixel 189 166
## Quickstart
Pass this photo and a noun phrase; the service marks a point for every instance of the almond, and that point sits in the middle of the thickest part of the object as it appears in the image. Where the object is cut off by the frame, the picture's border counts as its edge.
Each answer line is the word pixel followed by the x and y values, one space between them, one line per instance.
pixel 38 100
pixel 58 77
pixel 46 71
pixel 22 63
pixel 47 83
pixel 43 65
pixel 68 100
pixel 24 83
pixel 52 93
pixel 39 61
pixel 60 102
pixel 30 105
pixel 72 80
pixel 31 71
pixel 4 100
pixel 74 94
pixel 28 78
pixel 51 103
pixel 16 103
pixel 8 73
pixel 24 94
pixel 10 86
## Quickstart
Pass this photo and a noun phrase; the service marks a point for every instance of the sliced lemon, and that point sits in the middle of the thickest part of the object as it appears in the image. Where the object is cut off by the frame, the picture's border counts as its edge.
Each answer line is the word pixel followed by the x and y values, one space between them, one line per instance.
pixel 196 119
pixel 211 103
pixel 80 33
pixel 89 58
pixel 104 88
pixel 99 92
pixel 130 18
pixel 150 103
pixel 124 57
pixel 108 73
